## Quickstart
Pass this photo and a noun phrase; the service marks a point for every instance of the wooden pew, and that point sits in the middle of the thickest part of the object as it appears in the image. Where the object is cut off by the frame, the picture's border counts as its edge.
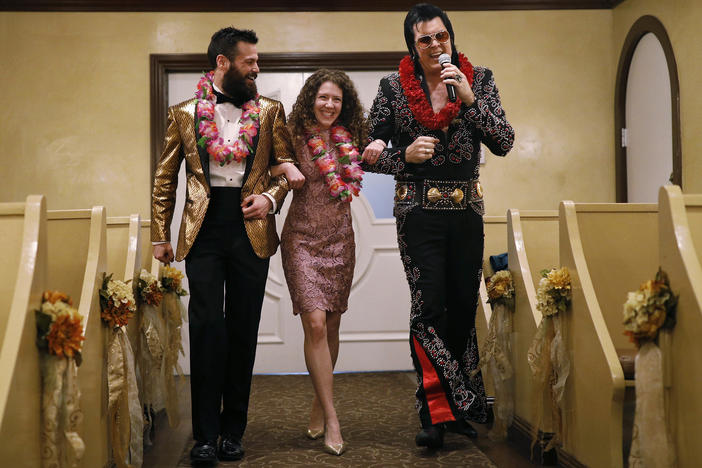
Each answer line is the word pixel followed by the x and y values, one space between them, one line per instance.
pixel 680 232
pixel 124 262
pixel 532 247
pixel 495 228
pixel 68 236
pixel 92 372
pixel 12 221
pixel 610 249
pixel 482 320
pixel 134 261
pixel 23 230
pixel 77 260
pixel 124 257
pixel 124 246
pixel 145 245
pixel 154 267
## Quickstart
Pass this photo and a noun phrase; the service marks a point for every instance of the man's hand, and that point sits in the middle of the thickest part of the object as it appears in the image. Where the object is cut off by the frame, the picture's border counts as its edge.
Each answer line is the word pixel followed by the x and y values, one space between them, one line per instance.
pixel 420 150
pixel 163 252
pixel 292 173
pixel 452 75
pixel 373 150
pixel 255 207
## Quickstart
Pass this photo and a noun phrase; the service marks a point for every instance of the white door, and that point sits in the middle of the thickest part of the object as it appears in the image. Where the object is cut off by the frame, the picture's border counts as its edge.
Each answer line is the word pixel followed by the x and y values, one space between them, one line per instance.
pixel 375 329
pixel 649 152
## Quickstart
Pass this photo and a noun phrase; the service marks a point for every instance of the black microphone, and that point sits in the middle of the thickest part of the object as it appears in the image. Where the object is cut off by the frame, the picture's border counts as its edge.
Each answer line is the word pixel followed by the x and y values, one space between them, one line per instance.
pixel 443 60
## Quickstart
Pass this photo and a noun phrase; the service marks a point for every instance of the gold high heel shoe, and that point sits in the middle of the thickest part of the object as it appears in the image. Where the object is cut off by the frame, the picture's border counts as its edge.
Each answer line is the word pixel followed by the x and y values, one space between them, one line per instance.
pixel 335 449
pixel 314 434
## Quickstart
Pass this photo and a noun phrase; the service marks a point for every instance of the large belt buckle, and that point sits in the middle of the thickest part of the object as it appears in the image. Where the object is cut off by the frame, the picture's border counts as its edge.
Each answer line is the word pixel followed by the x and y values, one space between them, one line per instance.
pixel 434 195
pixel 445 195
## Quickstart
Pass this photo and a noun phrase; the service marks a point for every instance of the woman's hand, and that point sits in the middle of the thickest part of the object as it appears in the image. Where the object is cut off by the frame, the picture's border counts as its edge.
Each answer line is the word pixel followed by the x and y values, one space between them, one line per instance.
pixel 420 150
pixel 291 172
pixel 452 75
pixel 373 150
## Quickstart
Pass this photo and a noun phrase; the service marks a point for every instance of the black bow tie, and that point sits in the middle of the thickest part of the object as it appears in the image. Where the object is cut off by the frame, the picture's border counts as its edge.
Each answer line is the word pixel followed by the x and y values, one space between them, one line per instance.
pixel 221 98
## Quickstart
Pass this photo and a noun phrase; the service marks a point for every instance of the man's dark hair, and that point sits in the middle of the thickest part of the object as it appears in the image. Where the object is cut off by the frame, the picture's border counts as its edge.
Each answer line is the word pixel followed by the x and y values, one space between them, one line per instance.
pixel 420 13
pixel 225 42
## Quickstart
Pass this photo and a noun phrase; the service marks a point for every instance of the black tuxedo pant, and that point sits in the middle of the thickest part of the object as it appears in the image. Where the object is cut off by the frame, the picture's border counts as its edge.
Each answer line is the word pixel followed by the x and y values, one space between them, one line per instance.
pixel 227 284
pixel 442 253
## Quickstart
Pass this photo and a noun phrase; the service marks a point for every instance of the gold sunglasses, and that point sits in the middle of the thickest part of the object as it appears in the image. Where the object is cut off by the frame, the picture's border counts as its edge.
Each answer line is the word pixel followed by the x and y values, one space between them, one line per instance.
pixel 442 37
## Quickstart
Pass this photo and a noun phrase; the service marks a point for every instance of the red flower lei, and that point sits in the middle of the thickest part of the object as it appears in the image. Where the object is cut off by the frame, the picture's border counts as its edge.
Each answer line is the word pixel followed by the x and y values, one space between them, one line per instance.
pixel 343 173
pixel 418 102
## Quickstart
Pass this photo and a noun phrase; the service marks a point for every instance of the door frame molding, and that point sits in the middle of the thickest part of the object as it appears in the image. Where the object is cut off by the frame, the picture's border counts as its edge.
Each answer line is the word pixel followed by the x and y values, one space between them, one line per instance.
pixel 163 64
pixel 642 26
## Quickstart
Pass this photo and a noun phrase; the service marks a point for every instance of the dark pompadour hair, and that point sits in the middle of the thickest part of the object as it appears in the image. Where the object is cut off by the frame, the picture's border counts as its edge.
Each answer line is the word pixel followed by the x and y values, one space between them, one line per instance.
pixel 225 42
pixel 420 13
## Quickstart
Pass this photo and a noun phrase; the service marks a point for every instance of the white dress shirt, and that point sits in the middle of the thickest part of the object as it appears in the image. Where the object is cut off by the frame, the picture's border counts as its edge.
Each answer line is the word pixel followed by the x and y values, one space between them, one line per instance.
pixel 228 119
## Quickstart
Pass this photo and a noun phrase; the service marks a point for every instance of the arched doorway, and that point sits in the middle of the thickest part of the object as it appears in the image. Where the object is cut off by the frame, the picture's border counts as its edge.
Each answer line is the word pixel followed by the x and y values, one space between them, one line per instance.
pixel 647 114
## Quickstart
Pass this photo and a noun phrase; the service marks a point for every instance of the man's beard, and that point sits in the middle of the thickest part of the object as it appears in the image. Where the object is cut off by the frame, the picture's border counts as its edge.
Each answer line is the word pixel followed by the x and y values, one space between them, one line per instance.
pixel 236 85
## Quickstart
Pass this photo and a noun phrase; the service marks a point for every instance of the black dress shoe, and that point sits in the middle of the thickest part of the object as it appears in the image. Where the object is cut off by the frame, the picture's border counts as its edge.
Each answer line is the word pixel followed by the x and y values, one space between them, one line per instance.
pixel 461 426
pixel 230 449
pixel 204 453
pixel 431 437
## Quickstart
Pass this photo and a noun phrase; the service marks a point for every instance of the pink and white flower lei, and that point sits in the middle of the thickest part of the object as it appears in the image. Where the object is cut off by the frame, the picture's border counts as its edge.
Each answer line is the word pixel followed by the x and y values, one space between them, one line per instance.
pixel 209 134
pixel 343 173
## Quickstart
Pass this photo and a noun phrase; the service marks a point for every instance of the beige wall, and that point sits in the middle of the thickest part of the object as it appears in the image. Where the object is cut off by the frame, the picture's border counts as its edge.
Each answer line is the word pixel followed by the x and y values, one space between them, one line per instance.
pixel 682 20
pixel 76 99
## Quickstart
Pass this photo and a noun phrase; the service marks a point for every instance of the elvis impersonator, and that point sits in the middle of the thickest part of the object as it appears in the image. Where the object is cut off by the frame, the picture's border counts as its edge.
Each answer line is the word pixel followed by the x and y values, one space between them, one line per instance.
pixel 436 111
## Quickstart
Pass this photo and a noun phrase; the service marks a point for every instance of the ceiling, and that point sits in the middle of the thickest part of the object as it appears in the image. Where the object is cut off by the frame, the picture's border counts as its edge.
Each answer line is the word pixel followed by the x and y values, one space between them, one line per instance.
pixel 299 5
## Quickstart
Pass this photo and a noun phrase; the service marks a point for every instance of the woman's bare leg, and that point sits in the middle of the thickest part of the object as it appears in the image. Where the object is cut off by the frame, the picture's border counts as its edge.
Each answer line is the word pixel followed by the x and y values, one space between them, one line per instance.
pixel 320 365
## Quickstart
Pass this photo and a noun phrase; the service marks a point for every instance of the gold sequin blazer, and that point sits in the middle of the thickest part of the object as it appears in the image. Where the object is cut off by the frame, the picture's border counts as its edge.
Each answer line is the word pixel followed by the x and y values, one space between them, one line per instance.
pixel 272 145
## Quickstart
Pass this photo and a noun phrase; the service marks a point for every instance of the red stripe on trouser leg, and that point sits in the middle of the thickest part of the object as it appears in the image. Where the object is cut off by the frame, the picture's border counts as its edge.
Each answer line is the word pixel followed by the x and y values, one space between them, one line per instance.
pixel 439 408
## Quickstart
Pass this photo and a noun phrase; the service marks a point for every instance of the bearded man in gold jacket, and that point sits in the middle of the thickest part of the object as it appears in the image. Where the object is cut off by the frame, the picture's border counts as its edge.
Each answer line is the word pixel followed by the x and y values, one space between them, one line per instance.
pixel 227 232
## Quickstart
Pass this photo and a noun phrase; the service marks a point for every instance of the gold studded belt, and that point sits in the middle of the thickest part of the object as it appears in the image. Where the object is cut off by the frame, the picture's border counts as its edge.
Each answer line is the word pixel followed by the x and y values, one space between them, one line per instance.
pixel 438 194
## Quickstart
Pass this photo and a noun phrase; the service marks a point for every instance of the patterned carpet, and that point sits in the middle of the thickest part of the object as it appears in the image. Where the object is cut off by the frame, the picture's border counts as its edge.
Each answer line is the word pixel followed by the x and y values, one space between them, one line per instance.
pixel 377 416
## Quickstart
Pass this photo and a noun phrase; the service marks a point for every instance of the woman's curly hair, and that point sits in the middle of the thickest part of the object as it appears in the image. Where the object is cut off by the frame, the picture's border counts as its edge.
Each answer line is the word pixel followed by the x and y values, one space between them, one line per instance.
pixel 302 118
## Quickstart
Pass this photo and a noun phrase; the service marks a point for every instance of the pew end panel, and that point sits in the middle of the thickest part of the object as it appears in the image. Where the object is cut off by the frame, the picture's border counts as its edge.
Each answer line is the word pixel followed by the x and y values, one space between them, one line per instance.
pixel 482 322
pixel 693 210
pixel 132 270
pixel 68 233
pixel 145 245
pixel 20 386
pixel 495 235
pixel 620 244
pixel 124 259
pixel 155 267
pixel 495 243
pixel 133 265
pixel 540 238
pixel 594 393
pixel 12 220
pixel 680 237
pixel 92 374
pixel 526 316
pixel 117 245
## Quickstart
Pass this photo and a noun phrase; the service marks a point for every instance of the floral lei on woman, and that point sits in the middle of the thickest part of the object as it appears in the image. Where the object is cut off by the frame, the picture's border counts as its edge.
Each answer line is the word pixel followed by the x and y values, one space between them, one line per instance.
pixel 210 139
pixel 343 173
pixel 418 102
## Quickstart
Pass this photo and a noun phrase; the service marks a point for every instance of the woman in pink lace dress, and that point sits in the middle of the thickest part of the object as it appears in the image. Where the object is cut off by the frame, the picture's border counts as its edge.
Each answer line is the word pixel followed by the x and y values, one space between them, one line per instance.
pixel 317 243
